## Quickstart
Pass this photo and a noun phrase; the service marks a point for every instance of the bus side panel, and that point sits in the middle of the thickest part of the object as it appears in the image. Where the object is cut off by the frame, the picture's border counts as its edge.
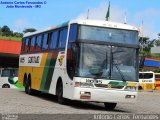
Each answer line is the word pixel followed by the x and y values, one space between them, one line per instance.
pixel 48 71
pixel 34 69
pixel 37 74
pixel 157 84
pixel 22 71
pixel 147 86
pixel 21 75
pixel 37 77
pixel 61 72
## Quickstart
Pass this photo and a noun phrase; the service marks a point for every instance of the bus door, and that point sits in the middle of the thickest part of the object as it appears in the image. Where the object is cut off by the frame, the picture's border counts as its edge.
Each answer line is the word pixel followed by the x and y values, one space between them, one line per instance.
pixel 157 81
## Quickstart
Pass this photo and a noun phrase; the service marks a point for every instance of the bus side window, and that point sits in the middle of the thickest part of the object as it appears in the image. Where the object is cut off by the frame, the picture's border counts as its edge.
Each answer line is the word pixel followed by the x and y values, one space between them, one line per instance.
pixel 27 45
pixel 70 55
pixel 38 43
pixel 23 45
pixel 45 41
pixel 32 44
pixel 54 38
pixel 62 38
pixel 73 32
pixel 5 73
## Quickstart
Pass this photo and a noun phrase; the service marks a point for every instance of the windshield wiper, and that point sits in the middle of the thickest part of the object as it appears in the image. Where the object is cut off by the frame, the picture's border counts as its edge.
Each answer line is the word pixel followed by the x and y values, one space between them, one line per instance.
pixel 122 76
pixel 112 63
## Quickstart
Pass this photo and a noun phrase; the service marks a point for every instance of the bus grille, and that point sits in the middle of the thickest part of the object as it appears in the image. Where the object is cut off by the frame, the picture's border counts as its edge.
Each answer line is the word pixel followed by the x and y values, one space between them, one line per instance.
pixel 106 86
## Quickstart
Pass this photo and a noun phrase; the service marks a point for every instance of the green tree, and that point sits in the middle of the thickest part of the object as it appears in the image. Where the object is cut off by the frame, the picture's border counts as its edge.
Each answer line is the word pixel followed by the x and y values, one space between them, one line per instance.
pixel 146 44
pixel 6 31
pixel 29 30
pixel 17 34
pixel 0 31
pixel 157 42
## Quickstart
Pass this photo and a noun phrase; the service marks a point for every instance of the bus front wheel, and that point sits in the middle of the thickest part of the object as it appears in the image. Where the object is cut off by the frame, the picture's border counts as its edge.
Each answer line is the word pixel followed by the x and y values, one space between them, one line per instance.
pixel 59 93
pixel 110 106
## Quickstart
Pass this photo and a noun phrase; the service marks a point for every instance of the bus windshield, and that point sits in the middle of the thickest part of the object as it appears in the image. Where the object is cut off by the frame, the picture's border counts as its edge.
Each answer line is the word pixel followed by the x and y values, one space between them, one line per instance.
pixel 145 75
pixel 108 35
pixel 157 76
pixel 102 61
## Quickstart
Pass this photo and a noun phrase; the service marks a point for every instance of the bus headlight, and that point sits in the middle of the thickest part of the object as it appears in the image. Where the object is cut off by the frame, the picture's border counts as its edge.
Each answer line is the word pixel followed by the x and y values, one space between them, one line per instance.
pixel 131 88
pixel 83 84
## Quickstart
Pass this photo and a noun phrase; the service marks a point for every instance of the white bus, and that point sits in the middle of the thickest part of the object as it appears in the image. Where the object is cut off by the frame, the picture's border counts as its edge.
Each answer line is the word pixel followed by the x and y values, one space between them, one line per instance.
pixel 83 60
pixel 9 78
pixel 146 80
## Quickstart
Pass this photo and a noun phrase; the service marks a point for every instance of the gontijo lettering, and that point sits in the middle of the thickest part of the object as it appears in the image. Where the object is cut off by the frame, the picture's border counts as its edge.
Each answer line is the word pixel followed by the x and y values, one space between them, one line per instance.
pixel 33 59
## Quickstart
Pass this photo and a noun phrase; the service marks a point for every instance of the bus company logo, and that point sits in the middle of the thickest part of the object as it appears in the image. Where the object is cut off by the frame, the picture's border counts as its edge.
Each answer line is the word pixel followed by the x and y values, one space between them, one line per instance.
pixel 109 86
pixel 61 59
pixel 22 60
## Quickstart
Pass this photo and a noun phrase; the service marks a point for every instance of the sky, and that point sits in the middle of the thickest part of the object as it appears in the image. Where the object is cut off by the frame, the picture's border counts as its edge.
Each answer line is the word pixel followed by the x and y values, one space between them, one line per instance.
pixel 55 12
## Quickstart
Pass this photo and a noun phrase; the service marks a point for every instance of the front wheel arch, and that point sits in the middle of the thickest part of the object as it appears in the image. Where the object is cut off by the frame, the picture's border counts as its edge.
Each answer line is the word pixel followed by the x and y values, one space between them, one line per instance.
pixel 6 86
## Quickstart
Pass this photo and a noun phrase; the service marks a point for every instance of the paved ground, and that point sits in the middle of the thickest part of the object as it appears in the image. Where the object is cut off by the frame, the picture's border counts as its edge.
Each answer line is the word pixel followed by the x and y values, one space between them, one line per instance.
pixel 14 101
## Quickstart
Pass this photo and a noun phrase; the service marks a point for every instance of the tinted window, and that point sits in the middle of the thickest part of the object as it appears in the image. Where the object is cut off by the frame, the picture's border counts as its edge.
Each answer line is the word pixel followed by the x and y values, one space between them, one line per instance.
pixel 14 72
pixel 73 32
pixel 45 41
pixel 5 73
pixel 157 76
pixel 38 43
pixel 27 43
pixel 145 75
pixel 62 38
pixel 108 35
pixel 23 45
pixel 54 38
pixel 32 43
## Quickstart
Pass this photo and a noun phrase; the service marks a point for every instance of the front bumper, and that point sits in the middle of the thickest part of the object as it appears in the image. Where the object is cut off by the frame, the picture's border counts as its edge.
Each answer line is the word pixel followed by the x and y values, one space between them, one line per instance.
pixel 104 95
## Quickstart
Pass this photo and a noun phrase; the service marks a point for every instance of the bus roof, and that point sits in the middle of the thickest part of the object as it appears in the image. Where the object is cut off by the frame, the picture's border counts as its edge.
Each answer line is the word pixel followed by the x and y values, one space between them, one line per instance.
pixel 99 23
pixel 157 73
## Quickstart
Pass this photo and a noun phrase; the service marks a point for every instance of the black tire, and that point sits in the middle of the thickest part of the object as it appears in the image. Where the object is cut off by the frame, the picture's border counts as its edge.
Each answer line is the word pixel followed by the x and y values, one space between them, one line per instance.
pixel 110 106
pixel 59 90
pixel 25 83
pixel 140 88
pixel 28 89
pixel 6 86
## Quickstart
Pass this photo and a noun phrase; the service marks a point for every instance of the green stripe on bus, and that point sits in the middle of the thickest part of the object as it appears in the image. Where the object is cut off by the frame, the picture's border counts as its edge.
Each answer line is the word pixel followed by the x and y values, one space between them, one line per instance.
pixel 45 72
pixel 115 83
pixel 19 85
pixel 51 70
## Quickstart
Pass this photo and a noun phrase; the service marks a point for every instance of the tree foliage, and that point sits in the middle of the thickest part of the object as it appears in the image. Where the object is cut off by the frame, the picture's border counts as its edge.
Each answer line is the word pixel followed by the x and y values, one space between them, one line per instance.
pixel 157 43
pixel 146 44
pixel 6 31
pixel 29 30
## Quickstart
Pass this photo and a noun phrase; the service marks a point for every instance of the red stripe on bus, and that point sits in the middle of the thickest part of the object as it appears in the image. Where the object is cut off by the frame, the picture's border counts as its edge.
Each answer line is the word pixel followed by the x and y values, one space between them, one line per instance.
pixel 157 85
